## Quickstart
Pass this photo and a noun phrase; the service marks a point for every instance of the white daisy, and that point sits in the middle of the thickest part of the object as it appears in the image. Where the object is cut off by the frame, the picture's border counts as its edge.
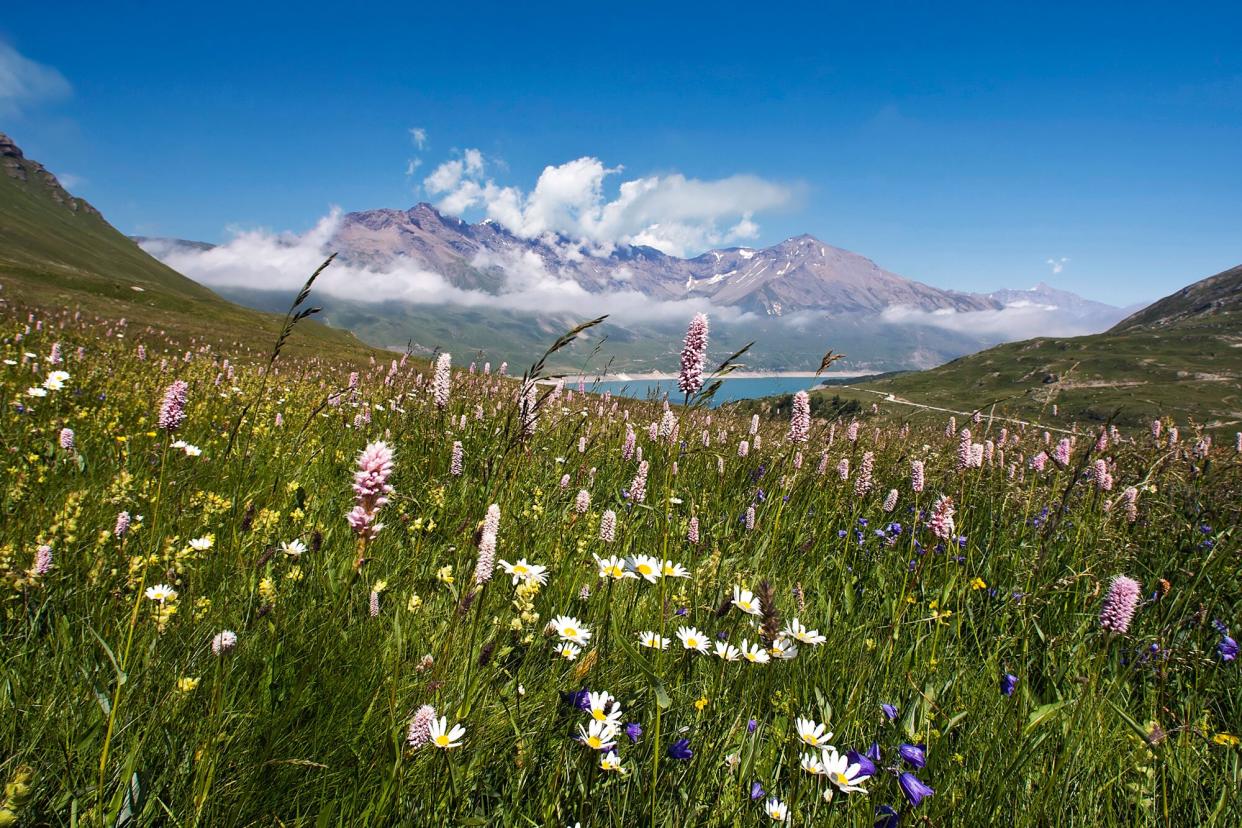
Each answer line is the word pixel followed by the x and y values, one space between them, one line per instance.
pixel 745 600
pixel 692 639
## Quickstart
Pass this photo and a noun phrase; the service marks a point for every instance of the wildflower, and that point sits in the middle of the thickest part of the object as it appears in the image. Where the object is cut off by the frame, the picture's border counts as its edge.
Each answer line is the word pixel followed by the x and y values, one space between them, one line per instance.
pixel 582 502
pixel 692 532
pixel 445 575
pixel 1227 649
pixel 613 567
pixel 863 482
pixel 978 583
pixel 727 651
pixel 680 750
pixel 755 654
pixel 1226 739
pixel 783 649
pixel 442 736
pixel 161 593
pixel 890 711
pixel 756 790
pixel 36 392
pixel 674 570
pixel 66 439
pixel 744 600
pixel 172 409
pixel 941 522
pixel 692 639
pixel 813 733
pixel 203 544
pixel 455 464
pixel 122 524
pixel 223 642
pixel 633 730
pixel 776 809
pixel 611 762
pixel 294 548
pixel 571 629
pixel 654 640
pixel 598 735
pixel 523 571
pixel 608 526
pixel 795 630
pixel 371 488
pixel 1008 683
pixel 442 380
pixel 55 381
pixel 1119 605
pixel 693 355
pixel 700 703
pixel 913 755
pixel 890 502
pixel 646 567
pixel 812 764
pixel 800 418
pixel 638 486
pixel 419 732
pixel 913 788
pixel 916 475
pixel 603 706
pixel 186 684
pixel 846 775
pixel 43 560
pixel 568 650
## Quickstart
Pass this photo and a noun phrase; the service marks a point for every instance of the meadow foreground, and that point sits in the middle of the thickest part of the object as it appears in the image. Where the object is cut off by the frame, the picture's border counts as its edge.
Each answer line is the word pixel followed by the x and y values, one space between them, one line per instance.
pixel 406 594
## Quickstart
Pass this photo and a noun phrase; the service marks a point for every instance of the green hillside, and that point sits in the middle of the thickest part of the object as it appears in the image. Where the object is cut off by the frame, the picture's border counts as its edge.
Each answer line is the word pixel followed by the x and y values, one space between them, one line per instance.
pixel 1181 356
pixel 57 250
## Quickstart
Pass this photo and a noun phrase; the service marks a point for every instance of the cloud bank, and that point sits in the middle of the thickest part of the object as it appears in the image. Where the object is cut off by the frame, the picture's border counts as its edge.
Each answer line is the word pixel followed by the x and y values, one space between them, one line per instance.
pixel 23 82
pixel 267 261
pixel 677 215
pixel 1020 320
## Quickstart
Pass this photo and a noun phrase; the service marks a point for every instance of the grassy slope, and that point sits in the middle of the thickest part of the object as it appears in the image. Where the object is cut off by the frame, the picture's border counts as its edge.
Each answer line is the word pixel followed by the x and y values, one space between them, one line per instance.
pixel 58 251
pixel 1181 357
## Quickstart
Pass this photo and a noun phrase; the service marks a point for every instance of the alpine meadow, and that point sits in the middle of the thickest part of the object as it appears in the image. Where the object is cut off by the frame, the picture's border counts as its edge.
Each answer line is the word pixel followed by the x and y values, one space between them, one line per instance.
pixel 250 589
pixel 620 416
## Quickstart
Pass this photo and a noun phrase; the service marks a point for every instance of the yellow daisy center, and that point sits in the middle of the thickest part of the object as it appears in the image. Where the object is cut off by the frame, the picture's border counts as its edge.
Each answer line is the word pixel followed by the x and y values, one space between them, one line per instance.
pixel 442 740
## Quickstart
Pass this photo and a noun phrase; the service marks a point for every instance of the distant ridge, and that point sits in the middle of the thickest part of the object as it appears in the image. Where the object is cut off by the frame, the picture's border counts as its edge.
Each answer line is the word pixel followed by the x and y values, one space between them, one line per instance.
pixel 57 250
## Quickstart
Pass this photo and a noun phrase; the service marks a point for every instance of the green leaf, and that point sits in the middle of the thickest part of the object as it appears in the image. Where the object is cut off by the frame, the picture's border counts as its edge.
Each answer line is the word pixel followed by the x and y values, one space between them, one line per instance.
pixel 1042 714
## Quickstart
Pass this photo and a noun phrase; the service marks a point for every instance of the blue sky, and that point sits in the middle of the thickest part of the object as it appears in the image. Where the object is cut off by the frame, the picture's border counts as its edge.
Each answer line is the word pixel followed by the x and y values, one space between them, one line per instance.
pixel 963 147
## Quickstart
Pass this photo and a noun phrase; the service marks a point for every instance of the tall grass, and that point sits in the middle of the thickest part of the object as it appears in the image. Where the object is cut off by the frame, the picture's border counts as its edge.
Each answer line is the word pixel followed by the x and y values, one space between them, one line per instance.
pixel 305 722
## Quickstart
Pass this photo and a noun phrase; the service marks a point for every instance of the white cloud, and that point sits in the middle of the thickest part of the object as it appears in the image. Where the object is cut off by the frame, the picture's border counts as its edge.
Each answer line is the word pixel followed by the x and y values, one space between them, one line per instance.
pixel 418 136
pixel 23 82
pixel 1020 320
pixel 412 165
pixel 263 260
pixel 1057 265
pixel 672 213
pixel 70 181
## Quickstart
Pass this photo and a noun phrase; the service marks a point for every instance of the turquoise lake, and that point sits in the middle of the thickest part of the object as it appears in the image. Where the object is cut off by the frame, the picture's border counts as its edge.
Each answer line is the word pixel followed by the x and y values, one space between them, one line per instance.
pixel 730 389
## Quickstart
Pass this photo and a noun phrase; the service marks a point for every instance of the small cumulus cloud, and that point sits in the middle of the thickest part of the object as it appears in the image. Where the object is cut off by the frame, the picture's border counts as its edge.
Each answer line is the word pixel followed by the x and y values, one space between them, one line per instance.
pixel 70 181
pixel 25 83
pixel 260 259
pixel 1057 265
pixel 418 136
pixel 672 213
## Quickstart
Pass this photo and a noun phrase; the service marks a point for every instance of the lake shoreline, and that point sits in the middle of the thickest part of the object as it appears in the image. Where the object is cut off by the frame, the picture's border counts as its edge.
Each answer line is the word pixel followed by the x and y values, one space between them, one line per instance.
pixel 626 376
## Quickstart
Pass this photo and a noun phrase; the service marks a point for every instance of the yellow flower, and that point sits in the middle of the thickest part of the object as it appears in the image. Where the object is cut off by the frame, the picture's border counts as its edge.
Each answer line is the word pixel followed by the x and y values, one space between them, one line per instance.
pixel 414 603
pixel 267 589
pixel 700 703
pixel 186 684
pixel 978 583
pixel 1226 739
pixel 379 586
pixel 445 575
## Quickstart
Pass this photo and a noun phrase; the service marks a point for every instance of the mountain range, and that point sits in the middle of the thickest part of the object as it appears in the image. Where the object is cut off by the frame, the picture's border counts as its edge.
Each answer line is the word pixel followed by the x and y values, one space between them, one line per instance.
pixel 773 295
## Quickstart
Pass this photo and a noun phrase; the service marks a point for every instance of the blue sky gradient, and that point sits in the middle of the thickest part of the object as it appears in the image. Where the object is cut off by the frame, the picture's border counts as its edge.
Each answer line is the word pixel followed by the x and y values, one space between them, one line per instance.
pixel 963 146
